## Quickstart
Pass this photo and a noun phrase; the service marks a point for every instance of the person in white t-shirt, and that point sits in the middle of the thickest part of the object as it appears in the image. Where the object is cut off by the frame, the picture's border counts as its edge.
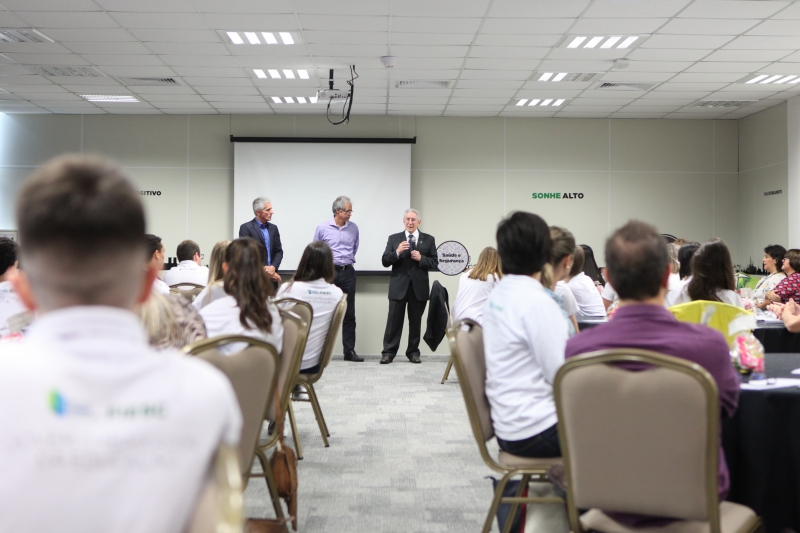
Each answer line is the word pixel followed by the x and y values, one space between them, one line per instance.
pixel 590 303
pixel 247 308
pixel 475 285
pixel 712 277
pixel 524 335
pixel 554 273
pixel 190 268
pixel 10 304
pixel 155 250
pixel 313 283
pixel 100 433
pixel 215 288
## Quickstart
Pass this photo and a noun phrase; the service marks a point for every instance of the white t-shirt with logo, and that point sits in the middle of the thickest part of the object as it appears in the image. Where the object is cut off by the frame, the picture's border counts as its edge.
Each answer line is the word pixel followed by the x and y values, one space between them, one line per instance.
pixel 101 433
pixel 10 305
pixel 186 272
pixel 323 297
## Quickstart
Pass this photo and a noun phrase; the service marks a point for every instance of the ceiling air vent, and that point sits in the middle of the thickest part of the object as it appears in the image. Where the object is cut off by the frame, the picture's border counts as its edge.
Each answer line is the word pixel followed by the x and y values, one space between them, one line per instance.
pixel 17 35
pixel 148 81
pixel 724 103
pixel 608 86
pixel 423 84
pixel 59 70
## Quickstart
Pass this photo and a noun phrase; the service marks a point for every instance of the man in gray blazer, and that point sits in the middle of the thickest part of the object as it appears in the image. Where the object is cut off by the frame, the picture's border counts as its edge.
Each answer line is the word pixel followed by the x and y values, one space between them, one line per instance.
pixel 411 254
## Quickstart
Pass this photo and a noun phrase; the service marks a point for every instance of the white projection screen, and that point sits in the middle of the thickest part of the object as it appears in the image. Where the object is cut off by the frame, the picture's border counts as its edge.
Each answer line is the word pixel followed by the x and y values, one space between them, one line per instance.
pixel 303 179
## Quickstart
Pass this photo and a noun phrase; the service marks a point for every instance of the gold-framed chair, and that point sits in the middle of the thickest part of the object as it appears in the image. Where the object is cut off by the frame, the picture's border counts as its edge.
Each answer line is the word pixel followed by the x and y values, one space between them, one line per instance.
pixel 466 348
pixel 643 441
pixel 307 380
pixel 449 361
pixel 220 507
pixel 253 372
pixel 187 290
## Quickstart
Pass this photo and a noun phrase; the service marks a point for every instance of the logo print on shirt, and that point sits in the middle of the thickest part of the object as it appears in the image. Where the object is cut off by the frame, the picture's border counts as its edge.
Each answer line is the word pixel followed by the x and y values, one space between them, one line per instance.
pixel 57 403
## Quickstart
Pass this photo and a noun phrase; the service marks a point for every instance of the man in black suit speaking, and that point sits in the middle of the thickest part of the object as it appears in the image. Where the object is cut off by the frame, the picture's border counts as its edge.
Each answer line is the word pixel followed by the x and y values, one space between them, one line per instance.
pixel 262 230
pixel 411 254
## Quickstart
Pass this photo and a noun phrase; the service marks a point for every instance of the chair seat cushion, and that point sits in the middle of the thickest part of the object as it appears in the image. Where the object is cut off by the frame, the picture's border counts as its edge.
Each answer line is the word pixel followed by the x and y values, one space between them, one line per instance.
pixel 515 461
pixel 734 518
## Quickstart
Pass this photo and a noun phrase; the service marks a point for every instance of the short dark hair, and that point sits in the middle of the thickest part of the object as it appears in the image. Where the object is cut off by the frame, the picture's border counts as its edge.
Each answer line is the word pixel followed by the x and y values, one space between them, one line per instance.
pixel 776 252
pixel 712 271
pixel 316 263
pixel 186 250
pixel 793 255
pixel 685 254
pixel 523 242
pixel 8 254
pixel 153 244
pixel 636 260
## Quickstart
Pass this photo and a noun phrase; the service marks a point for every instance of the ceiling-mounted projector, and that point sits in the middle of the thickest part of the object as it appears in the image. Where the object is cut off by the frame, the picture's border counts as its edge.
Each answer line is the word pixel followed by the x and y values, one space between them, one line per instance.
pixel 332 94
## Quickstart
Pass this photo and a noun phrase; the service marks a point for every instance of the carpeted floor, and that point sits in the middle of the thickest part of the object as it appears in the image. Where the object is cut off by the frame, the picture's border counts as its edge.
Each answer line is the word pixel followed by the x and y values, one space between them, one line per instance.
pixel 402 457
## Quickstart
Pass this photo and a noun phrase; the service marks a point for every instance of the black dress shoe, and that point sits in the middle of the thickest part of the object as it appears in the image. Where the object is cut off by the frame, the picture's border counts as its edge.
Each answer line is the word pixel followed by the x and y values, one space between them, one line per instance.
pixel 414 359
pixel 386 359
pixel 353 356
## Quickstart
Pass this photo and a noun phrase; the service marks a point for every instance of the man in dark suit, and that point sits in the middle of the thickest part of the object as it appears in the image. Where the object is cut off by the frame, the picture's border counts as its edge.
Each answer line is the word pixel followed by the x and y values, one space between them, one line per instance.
pixel 262 230
pixel 411 254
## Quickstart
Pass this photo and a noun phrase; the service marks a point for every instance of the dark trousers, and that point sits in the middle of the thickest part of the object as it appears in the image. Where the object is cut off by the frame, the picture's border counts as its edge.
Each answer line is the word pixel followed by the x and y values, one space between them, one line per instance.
pixel 545 444
pixel 346 280
pixel 394 324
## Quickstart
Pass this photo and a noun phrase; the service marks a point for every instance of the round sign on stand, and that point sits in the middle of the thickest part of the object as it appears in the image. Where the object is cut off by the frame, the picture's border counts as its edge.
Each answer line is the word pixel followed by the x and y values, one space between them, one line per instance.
pixel 453 258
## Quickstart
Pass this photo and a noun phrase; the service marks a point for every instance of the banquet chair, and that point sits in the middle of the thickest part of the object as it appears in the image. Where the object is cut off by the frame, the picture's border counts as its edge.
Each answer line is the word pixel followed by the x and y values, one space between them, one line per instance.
pixel 253 372
pixel 727 319
pixel 307 380
pixel 466 347
pixel 220 506
pixel 449 361
pixel 643 440
pixel 187 290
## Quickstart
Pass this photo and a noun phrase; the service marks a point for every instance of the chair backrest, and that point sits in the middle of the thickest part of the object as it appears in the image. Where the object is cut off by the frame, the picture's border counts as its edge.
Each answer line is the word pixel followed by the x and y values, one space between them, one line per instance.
pixel 466 347
pixel 220 507
pixel 296 323
pixel 253 372
pixel 727 319
pixel 330 339
pixel 639 434
pixel 187 290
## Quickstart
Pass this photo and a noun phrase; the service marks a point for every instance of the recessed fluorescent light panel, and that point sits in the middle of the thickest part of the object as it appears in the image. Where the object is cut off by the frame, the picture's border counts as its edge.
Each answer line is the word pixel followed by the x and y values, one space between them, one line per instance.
pixel 541 102
pixel 723 103
pixel 770 79
pixel 275 74
pixel 260 37
pixel 602 42
pixel 556 76
pixel 111 98
pixel 26 35
pixel 294 99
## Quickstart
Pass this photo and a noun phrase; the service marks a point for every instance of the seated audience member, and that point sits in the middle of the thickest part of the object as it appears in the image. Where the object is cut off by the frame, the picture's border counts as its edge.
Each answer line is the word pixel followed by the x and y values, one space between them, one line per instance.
pixel 639 267
pixel 590 303
pixel 190 268
pixel 685 254
pixel 773 261
pixel 247 309
pixel 475 285
pixel 712 277
pixel 155 250
pixel 675 266
pixel 117 437
pixel 590 267
pixel 553 275
pixel 313 283
pixel 171 322
pixel 10 304
pixel 789 288
pixel 524 334
pixel 215 288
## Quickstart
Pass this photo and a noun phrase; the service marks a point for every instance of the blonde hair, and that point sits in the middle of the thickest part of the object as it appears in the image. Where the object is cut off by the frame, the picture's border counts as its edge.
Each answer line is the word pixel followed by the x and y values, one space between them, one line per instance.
pixel 158 319
pixel 563 244
pixel 215 271
pixel 488 265
pixel 673 249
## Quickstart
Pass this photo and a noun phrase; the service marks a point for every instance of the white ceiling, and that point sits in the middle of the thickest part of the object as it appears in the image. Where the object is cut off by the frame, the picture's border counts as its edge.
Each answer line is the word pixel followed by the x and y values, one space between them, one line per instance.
pixel 487 49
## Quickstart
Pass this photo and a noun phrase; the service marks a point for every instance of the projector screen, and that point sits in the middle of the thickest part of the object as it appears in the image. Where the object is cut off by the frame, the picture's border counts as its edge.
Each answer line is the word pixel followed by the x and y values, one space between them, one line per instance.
pixel 303 179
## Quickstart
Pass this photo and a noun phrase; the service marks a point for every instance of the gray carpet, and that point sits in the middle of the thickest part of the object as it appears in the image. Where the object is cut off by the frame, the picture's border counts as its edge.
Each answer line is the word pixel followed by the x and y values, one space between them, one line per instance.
pixel 402 457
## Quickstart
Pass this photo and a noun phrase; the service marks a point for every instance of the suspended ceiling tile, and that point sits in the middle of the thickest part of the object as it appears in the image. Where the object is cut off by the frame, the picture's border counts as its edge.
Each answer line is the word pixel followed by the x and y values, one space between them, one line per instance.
pixel 517 39
pixel 66 19
pixel 175 36
pixel 149 6
pixel 343 23
pixel 106 47
pixel 694 42
pixel 616 9
pixel 508 52
pixel 436 25
pixel 603 26
pixel 89 35
pixel 526 26
pixel 538 8
pixel 252 21
pixel 244 6
pixel 754 42
pixel 667 54
pixel 441 8
pixel 123 60
pixel 707 26
pixel 726 66
pixel 728 9
pixel 351 7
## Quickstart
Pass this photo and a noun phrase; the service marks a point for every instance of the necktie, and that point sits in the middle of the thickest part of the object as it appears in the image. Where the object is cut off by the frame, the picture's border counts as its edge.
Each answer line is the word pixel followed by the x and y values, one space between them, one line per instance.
pixel 411 243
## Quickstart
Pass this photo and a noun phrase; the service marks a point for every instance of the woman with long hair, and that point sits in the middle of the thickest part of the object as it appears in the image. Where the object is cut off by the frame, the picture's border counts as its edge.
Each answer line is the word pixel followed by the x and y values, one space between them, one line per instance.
pixel 247 308
pixel 590 267
pixel 712 277
pixel 475 284
pixel 313 283
pixel 590 303
pixel 215 289
pixel 554 274
pixel 773 261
